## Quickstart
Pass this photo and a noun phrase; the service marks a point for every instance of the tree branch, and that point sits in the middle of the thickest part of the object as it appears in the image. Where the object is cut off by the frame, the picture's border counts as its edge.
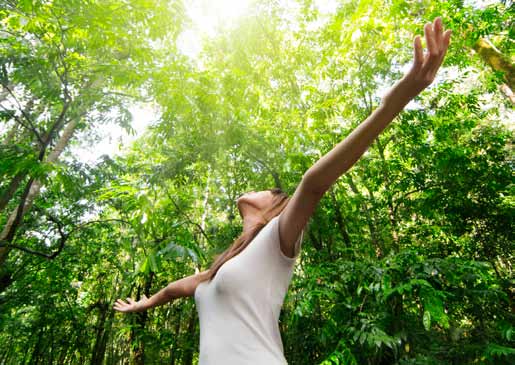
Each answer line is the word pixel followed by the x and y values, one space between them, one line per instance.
pixel 32 127
pixel 187 217
pixel 62 240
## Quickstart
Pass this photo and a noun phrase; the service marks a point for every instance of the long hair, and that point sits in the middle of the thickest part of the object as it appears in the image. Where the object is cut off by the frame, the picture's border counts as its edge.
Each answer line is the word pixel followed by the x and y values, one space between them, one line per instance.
pixel 279 202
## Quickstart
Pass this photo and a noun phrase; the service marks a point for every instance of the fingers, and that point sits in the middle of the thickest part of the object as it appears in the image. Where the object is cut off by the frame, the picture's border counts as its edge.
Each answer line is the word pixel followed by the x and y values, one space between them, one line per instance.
pixel 120 305
pixel 432 47
pixel 446 39
pixel 438 33
pixel 443 45
pixel 437 44
pixel 426 64
pixel 419 53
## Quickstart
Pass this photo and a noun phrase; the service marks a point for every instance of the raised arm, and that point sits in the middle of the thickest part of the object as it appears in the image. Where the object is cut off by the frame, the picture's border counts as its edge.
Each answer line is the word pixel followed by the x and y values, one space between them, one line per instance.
pixel 184 287
pixel 319 178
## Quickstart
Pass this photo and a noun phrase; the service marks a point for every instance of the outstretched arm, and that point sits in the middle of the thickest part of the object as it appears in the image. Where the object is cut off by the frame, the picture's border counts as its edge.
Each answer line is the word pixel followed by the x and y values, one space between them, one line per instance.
pixel 319 178
pixel 325 171
pixel 184 287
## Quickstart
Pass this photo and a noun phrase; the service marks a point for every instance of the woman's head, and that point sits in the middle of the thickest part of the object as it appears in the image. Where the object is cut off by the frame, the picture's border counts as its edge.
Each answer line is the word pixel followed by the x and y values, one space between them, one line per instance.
pixel 261 205
pixel 258 207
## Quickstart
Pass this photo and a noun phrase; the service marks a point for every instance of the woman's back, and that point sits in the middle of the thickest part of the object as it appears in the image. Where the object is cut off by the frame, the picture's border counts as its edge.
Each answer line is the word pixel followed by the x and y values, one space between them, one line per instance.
pixel 239 309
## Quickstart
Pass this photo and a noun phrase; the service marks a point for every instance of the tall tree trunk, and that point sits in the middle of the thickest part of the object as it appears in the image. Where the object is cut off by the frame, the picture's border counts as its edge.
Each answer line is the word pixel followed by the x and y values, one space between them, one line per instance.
pixel 19 177
pixel 190 350
pixel 34 187
pixel 138 351
pixel 173 348
pixel 99 348
pixel 16 181
pixel 11 189
pixel 34 357
pixel 51 158
pixel 6 272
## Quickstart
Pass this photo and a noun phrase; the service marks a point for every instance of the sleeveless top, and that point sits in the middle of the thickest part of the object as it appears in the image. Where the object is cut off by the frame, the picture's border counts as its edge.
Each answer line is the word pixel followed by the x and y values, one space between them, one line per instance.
pixel 239 309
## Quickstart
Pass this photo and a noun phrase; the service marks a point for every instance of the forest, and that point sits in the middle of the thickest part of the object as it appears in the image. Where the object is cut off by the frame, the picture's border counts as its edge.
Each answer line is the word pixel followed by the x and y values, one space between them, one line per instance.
pixel 408 258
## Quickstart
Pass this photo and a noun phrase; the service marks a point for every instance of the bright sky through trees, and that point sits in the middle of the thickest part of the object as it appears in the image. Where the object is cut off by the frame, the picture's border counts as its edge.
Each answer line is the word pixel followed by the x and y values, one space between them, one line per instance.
pixel 113 139
pixel 207 17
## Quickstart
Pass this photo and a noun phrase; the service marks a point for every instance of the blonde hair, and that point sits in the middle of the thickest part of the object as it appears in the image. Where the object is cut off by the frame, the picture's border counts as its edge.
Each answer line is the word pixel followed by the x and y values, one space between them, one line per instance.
pixel 279 202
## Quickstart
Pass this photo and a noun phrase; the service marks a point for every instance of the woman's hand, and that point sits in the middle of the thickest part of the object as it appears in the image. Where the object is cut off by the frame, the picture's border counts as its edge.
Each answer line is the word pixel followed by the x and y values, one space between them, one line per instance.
pixel 319 177
pixel 425 66
pixel 131 305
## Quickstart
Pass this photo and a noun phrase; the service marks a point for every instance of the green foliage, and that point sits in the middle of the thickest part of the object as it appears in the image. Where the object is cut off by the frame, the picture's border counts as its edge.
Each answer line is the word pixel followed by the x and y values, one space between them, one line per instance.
pixel 342 355
pixel 408 258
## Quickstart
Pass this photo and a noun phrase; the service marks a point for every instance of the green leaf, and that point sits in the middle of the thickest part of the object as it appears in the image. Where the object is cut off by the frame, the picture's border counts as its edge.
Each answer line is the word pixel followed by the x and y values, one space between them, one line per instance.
pixel 426 320
pixel 495 350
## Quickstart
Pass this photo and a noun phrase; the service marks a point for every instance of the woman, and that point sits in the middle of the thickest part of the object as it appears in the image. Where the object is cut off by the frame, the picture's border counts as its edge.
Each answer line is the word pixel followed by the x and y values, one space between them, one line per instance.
pixel 239 301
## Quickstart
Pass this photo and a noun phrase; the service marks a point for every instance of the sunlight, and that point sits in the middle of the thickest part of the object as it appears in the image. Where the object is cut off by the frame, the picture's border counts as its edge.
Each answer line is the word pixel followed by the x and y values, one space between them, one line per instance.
pixel 207 17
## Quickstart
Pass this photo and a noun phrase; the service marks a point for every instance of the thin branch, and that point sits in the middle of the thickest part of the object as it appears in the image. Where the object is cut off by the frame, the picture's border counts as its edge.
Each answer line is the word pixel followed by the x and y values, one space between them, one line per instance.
pixel 37 253
pixel 63 76
pixel 401 198
pixel 135 97
pixel 12 115
pixel 32 127
pixel 80 226
pixel 62 240
pixel 274 174
pixel 187 217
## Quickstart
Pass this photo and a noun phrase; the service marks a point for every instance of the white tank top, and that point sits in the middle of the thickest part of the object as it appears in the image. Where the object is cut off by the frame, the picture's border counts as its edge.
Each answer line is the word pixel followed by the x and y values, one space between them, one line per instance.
pixel 239 309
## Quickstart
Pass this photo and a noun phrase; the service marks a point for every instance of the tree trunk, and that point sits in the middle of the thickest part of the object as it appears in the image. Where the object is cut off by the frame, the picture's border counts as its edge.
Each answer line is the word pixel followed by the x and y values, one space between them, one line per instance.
pixel 34 189
pixel 173 348
pixel 16 181
pixel 52 158
pixel 99 348
pixel 34 357
pixel 505 89
pixel 11 189
pixel 387 181
pixel 188 354
pixel 138 351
